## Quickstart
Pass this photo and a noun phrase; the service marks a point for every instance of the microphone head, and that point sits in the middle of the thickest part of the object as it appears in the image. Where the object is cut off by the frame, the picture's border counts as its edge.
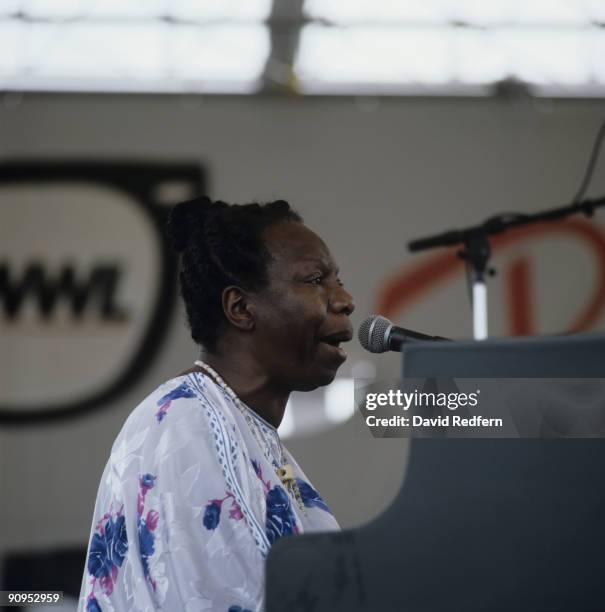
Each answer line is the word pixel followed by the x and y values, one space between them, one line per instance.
pixel 373 334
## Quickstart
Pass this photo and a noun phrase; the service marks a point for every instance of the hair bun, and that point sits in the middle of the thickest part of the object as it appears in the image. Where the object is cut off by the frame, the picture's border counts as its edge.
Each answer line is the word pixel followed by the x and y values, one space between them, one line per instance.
pixel 183 220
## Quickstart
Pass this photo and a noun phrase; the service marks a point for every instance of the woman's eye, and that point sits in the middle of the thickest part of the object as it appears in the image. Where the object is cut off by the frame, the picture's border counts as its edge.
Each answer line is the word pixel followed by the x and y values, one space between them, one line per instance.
pixel 316 279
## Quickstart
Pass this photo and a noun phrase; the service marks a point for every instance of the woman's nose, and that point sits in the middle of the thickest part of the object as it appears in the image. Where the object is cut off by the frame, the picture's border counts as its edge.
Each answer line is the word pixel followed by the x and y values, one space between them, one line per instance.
pixel 342 301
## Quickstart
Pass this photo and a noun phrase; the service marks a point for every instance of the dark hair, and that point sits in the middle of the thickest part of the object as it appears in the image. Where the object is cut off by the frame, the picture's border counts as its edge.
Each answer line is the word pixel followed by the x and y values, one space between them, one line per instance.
pixel 221 245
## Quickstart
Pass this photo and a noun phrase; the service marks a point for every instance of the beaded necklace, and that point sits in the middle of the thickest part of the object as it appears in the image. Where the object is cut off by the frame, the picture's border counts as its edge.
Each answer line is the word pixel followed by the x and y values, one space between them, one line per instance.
pixel 284 470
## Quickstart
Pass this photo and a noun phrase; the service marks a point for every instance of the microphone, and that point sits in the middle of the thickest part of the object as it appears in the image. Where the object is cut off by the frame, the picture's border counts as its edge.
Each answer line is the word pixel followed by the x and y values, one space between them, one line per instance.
pixel 377 334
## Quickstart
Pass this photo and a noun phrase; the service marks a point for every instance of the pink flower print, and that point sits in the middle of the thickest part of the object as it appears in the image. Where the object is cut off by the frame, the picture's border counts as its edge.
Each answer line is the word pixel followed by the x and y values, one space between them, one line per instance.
pixel 106 585
pixel 161 413
pixel 140 504
pixel 152 519
pixel 235 512
pixel 212 513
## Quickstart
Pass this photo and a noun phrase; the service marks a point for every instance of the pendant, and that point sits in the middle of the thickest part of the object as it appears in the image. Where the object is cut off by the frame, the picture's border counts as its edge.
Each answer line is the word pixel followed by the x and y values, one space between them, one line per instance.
pixel 286 473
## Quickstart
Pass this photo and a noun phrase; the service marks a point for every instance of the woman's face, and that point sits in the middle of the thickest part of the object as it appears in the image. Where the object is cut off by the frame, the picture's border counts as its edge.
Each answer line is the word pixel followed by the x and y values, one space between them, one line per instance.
pixel 302 316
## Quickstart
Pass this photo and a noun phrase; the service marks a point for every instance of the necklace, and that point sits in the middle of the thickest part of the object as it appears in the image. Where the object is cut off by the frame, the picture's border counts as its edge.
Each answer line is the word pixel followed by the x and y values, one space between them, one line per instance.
pixel 284 470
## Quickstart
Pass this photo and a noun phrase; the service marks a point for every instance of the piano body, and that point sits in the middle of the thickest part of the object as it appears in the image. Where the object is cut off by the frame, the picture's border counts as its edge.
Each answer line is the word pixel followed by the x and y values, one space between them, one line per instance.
pixel 479 524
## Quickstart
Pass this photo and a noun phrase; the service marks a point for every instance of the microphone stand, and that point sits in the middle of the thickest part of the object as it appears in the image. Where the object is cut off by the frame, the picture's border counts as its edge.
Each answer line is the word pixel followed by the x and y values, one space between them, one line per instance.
pixel 476 249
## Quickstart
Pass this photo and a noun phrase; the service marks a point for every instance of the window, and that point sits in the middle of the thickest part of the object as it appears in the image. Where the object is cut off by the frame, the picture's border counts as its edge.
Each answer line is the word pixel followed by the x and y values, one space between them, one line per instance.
pixel 446 46
pixel 123 45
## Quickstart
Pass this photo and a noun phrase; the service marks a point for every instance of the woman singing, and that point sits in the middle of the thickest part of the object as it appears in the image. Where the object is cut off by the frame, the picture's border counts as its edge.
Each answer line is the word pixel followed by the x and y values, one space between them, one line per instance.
pixel 198 485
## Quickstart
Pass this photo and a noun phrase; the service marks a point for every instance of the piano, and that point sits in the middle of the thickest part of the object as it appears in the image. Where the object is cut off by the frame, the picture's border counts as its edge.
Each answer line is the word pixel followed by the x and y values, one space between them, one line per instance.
pixel 478 524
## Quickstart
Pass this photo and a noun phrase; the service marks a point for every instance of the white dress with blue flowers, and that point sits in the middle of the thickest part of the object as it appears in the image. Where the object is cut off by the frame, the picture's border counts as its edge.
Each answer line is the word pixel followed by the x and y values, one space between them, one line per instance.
pixel 189 505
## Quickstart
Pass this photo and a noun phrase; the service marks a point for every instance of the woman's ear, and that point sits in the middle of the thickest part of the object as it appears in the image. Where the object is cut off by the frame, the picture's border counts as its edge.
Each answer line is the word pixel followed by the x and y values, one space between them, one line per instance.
pixel 236 306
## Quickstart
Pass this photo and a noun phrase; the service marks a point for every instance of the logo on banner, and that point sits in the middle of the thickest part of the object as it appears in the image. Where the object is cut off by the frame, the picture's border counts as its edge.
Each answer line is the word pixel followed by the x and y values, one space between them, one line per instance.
pixel 548 273
pixel 87 282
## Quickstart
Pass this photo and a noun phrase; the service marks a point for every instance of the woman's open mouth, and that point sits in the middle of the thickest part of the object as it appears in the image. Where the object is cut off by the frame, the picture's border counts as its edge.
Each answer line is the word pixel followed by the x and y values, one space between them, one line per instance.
pixel 332 343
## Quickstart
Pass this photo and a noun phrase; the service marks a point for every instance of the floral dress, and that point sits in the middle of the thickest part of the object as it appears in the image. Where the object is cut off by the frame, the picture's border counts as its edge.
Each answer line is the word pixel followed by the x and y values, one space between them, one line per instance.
pixel 189 505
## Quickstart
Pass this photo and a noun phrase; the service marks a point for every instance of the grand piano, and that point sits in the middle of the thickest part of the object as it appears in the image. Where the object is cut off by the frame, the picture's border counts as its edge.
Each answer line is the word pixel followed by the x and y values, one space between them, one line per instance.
pixel 478 524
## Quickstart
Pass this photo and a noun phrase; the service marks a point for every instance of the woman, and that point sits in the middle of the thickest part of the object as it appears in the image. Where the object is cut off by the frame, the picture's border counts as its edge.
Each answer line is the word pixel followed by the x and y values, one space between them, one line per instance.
pixel 198 485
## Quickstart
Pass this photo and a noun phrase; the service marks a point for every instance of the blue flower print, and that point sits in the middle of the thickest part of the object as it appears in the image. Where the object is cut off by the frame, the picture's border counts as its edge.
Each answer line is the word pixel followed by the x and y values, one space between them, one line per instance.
pixel 119 542
pixel 164 402
pixel 146 526
pixel 92 605
pixel 99 563
pixel 147 481
pixel 108 548
pixel 311 498
pixel 212 514
pixel 182 390
pixel 280 518
pixel 146 540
